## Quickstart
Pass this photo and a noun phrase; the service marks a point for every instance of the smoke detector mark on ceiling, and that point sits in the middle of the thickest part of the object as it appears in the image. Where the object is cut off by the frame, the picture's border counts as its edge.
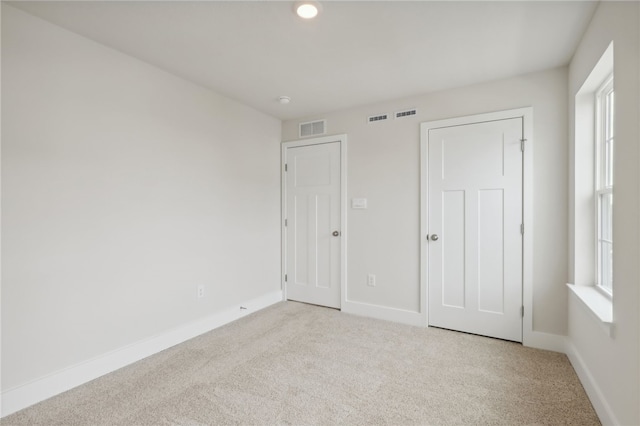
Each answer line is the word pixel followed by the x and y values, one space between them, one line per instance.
pixel 406 113
pixel 376 118
pixel 313 128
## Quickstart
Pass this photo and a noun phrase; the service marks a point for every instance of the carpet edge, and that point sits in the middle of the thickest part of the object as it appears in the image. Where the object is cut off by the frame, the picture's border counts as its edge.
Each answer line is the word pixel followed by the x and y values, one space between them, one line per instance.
pixel 23 396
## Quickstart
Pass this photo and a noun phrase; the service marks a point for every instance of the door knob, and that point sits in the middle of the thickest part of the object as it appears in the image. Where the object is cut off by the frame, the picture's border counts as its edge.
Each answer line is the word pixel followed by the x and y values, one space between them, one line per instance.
pixel 335 233
pixel 434 237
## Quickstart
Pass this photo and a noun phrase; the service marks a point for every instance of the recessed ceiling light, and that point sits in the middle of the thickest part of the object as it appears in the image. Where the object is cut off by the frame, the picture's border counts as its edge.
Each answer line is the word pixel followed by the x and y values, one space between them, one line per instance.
pixel 307 9
pixel 284 100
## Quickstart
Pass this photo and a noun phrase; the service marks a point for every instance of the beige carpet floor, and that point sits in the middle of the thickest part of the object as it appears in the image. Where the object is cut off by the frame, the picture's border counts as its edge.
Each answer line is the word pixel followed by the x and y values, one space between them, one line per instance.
pixel 299 364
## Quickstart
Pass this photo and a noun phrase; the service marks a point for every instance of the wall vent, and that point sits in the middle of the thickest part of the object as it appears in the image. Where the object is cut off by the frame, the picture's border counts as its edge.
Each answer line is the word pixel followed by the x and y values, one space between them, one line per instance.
pixel 406 113
pixel 375 118
pixel 312 128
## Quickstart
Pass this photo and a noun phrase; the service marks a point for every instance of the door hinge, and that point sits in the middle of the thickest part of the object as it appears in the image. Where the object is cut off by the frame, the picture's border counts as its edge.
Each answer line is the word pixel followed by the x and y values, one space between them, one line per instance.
pixel 286 167
pixel 522 143
pixel 522 228
pixel 285 277
pixel 285 222
pixel 522 311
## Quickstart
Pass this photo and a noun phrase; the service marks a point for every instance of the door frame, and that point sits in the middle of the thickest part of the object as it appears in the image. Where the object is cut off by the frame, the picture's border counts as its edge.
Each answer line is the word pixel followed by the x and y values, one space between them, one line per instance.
pixel 527 208
pixel 342 139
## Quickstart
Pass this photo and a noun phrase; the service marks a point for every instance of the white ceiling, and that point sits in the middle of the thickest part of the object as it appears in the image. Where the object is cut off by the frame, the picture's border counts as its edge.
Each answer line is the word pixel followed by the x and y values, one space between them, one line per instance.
pixel 354 53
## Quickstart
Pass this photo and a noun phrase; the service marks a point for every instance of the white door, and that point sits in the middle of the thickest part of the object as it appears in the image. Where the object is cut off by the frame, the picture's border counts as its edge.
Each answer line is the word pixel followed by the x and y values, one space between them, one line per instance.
pixel 474 225
pixel 313 228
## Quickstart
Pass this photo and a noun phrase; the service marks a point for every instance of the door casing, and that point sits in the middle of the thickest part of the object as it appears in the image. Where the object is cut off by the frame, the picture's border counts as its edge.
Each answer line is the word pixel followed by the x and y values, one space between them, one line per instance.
pixel 342 139
pixel 527 197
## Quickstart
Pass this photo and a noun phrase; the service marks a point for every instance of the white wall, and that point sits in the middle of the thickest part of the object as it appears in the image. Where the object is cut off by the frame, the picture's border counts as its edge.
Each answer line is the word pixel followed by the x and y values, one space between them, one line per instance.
pixel 384 167
pixel 610 366
pixel 123 188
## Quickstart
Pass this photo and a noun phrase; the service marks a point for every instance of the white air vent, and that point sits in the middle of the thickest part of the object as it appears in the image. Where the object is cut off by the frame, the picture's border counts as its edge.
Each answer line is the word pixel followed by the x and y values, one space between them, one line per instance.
pixel 406 113
pixel 375 118
pixel 312 128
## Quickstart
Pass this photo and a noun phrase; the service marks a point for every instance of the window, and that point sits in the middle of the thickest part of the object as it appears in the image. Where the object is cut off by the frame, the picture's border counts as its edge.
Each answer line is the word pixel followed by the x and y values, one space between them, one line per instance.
pixel 591 276
pixel 604 184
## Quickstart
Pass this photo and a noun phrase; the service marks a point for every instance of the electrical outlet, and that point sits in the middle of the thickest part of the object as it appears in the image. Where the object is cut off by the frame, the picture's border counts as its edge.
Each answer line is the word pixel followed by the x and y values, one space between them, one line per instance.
pixel 200 292
pixel 371 280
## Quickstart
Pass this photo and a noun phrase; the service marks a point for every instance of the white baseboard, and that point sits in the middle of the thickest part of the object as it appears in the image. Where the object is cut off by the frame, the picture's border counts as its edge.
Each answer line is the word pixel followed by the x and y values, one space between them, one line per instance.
pixel 384 313
pixel 546 341
pixel 38 390
pixel 596 396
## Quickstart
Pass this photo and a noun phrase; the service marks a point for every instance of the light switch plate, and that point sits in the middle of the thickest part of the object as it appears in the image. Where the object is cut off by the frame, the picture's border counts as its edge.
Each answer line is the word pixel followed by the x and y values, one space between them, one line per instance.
pixel 358 203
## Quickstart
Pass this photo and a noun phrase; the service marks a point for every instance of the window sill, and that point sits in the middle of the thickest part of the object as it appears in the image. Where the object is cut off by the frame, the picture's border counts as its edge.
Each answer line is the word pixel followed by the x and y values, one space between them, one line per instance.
pixel 597 303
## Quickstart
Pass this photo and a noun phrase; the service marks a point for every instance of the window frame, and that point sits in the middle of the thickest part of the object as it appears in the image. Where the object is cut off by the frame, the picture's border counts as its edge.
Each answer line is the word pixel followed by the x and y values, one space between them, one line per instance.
pixel 603 185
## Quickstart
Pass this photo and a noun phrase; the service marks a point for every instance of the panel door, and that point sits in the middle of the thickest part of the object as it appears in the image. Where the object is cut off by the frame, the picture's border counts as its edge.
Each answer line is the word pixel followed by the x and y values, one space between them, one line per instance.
pixel 313 229
pixel 474 221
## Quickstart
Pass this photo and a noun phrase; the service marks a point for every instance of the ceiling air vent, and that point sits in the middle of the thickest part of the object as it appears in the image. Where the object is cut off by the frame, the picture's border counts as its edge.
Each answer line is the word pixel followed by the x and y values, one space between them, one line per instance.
pixel 407 113
pixel 312 128
pixel 375 118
